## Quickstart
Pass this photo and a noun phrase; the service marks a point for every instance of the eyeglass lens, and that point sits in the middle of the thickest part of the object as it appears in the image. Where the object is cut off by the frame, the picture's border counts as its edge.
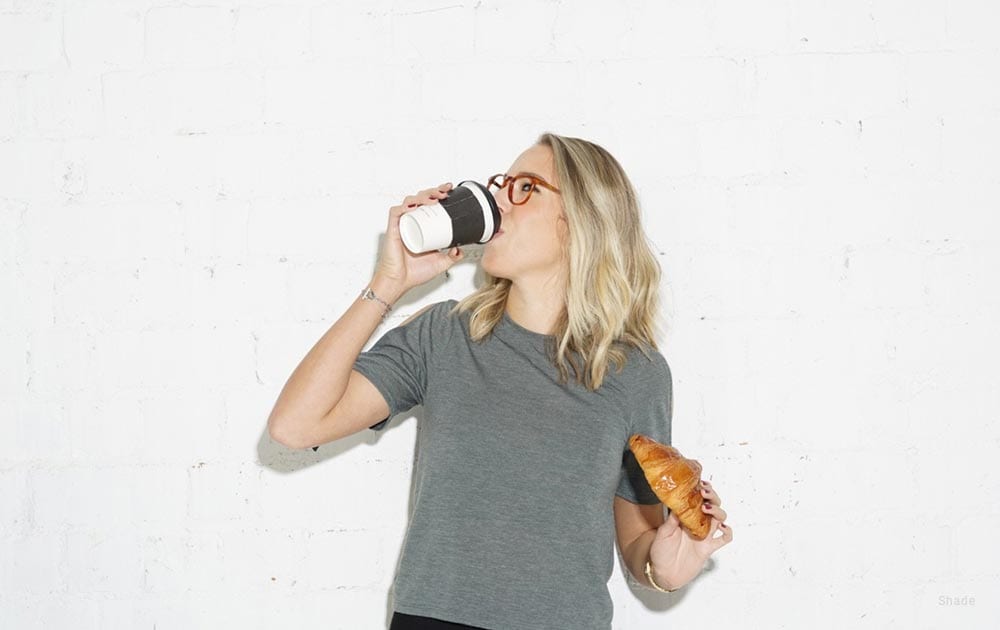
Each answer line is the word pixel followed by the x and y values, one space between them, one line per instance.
pixel 521 188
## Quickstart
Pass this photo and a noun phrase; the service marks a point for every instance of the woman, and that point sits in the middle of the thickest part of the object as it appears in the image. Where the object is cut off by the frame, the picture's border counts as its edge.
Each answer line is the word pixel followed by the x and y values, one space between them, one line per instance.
pixel 531 387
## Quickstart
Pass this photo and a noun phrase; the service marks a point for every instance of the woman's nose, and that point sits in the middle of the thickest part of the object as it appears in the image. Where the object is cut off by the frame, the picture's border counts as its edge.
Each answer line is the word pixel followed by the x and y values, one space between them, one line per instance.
pixel 502 202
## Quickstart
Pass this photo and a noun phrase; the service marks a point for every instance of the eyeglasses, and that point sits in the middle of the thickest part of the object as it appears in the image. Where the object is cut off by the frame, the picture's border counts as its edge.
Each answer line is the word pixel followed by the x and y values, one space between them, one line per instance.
pixel 521 186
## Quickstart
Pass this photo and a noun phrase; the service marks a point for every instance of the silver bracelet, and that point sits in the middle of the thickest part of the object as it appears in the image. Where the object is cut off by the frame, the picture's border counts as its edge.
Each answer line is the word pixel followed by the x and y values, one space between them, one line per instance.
pixel 368 294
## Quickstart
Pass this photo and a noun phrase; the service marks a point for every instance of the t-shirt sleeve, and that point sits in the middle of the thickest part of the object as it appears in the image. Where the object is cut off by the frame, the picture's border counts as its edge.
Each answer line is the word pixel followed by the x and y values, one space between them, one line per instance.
pixel 650 410
pixel 398 363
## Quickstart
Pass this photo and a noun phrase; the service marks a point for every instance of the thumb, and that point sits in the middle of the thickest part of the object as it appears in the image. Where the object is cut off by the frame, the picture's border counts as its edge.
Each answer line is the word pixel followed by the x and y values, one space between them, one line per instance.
pixel 454 255
pixel 447 259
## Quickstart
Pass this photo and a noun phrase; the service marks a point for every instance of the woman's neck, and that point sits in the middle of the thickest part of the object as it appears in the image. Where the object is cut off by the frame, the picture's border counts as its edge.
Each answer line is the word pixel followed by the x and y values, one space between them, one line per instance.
pixel 537 307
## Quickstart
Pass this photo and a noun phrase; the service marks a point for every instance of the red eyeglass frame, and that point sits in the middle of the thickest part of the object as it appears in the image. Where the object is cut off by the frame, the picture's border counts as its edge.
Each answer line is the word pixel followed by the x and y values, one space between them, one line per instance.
pixel 506 179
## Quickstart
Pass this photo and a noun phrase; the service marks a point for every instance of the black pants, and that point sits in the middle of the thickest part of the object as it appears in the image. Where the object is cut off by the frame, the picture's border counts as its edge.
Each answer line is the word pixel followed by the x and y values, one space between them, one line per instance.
pixel 402 621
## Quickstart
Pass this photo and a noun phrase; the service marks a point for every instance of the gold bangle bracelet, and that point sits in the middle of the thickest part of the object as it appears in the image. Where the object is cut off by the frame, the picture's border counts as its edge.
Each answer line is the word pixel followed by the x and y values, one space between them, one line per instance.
pixel 649 576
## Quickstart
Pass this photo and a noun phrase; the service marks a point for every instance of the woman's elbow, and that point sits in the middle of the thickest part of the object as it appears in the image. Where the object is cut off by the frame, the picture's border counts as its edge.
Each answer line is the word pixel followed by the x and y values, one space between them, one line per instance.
pixel 280 433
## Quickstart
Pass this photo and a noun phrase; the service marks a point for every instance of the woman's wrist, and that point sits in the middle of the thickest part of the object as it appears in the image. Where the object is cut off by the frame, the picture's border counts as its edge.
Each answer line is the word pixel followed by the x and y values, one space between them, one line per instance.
pixel 658 582
pixel 386 289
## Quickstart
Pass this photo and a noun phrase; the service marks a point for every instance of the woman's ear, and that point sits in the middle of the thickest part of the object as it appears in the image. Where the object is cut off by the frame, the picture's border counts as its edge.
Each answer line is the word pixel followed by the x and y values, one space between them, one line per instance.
pixel 562 227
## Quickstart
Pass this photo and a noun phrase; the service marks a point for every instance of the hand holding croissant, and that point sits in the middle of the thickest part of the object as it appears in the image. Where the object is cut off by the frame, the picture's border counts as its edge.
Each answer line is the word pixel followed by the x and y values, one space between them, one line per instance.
pixel 687 537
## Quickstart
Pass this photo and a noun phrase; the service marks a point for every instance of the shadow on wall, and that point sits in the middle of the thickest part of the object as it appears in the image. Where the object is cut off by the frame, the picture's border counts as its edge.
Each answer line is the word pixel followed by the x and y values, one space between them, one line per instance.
pixel 284 460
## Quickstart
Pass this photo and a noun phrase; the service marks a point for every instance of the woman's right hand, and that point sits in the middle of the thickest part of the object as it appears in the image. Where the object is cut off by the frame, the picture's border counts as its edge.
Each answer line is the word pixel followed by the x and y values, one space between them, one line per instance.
pixel 399 266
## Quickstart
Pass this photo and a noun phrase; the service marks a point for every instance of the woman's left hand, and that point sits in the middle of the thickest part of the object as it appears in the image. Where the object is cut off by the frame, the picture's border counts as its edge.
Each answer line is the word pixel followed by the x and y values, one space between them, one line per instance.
pixel 676 556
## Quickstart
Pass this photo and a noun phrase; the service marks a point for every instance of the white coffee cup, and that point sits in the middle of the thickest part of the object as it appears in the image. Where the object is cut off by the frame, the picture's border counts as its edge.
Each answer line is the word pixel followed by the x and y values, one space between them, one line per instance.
pixel 469 214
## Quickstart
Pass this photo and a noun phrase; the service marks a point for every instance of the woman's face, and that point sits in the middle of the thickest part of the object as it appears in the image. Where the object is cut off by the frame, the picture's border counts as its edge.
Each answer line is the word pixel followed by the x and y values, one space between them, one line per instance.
pixel 528 245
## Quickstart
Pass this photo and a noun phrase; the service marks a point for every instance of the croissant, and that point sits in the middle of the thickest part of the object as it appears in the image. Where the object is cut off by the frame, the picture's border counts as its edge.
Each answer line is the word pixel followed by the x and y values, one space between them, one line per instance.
pixel 675 479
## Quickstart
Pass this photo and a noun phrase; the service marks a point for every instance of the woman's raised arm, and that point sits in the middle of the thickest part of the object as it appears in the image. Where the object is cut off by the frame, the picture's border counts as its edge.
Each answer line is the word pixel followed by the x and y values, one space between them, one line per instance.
pixel 308 403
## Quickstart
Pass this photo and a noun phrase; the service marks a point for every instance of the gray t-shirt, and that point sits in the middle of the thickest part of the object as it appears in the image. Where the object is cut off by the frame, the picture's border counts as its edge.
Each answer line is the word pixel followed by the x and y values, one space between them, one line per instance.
pixel 512 525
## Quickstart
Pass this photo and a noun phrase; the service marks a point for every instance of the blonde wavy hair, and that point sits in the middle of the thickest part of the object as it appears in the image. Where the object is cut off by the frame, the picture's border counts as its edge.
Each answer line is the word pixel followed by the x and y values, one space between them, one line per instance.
pixel 612 288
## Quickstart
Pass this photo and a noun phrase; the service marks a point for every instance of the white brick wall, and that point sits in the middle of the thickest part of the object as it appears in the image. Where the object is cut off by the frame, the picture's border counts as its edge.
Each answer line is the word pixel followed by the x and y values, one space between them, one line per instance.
pixel 191 194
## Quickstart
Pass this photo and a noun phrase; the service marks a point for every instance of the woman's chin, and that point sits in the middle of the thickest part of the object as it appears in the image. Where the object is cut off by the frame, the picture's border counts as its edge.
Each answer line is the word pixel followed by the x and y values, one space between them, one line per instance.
pixel 489 264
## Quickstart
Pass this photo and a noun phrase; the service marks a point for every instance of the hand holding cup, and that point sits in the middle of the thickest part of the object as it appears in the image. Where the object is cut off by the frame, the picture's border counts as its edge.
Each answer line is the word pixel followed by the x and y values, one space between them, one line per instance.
pixel 398 269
